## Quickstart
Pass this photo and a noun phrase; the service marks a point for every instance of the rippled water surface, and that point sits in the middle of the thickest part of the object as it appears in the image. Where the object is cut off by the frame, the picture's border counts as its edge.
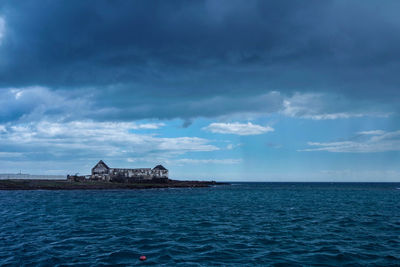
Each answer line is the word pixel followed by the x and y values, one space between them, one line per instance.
pixel 238 225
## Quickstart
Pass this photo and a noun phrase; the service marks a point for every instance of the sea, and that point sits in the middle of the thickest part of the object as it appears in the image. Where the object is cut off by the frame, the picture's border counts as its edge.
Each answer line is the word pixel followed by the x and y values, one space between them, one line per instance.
pixel 242 224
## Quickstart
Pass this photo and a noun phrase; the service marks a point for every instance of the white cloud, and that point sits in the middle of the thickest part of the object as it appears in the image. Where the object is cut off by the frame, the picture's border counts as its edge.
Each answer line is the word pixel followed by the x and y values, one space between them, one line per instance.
pixel 229 146
pixel 205 161
pixel 148 126
pixel 373 132
pixel 389 141
pixel 10 154
pixel 97 139
pixel 2 28
pixel 333 116
pixel 187 161
pixel 323 107
pixel 18 93
pixel 232 146
pixel 238 128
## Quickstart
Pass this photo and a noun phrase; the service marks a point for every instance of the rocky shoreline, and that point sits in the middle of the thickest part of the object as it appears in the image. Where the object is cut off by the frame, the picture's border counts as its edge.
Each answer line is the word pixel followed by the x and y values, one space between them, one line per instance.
pixel 33 184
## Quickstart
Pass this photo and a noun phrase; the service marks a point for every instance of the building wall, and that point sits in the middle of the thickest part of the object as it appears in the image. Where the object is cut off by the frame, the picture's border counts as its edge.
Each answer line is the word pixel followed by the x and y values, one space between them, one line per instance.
pixel 144 173
pixel 101 172
pixel 160 173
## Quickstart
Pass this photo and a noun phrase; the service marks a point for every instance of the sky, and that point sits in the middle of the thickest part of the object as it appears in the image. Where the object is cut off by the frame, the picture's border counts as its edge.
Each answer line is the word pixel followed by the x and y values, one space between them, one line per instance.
pixel 226 90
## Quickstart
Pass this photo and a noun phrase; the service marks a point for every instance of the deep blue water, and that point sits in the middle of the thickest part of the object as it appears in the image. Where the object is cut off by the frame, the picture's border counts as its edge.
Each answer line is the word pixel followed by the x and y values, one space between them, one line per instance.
pixel 243 224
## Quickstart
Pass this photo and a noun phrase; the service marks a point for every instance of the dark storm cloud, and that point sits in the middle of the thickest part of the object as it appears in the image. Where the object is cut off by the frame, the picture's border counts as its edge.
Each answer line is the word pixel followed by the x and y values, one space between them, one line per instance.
pixel 162 58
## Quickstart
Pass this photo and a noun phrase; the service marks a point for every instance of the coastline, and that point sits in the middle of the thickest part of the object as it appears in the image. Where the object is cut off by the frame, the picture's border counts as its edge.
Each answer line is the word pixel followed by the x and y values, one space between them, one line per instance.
pixel 43 184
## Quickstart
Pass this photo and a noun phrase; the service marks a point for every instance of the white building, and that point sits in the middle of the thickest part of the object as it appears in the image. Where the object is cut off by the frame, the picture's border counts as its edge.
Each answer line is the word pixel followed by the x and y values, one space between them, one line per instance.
pixel 102 172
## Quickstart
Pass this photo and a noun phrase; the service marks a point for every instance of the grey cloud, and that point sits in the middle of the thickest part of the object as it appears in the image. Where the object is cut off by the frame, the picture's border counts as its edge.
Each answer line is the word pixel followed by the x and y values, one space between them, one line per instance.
pixel 30 104
pixel 187 109
pixel 187 123
pixel 36 103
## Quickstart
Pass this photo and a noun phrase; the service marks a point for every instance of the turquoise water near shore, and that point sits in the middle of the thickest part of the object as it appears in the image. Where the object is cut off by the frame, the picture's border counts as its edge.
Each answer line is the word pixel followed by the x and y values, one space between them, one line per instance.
pixel 244 224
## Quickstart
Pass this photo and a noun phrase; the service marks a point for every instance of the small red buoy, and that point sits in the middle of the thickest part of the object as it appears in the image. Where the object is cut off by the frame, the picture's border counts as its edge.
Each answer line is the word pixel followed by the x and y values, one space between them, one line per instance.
pixel 142 258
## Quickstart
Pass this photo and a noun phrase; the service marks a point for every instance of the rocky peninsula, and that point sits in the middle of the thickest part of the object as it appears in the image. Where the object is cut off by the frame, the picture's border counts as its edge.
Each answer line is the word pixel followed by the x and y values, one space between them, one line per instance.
pixel 42 184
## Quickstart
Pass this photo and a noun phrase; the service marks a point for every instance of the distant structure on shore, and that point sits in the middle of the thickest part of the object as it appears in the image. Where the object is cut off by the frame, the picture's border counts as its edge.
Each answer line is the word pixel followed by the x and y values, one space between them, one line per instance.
pixel 102 172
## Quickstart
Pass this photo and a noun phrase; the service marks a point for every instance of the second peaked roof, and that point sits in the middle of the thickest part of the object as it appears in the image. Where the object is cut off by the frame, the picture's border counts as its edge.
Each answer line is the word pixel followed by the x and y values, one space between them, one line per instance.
pixel 160 167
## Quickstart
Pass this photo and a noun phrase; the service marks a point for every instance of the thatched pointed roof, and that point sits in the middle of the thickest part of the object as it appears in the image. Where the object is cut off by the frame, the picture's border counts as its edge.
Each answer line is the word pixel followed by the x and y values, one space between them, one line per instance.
pixel 102 162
